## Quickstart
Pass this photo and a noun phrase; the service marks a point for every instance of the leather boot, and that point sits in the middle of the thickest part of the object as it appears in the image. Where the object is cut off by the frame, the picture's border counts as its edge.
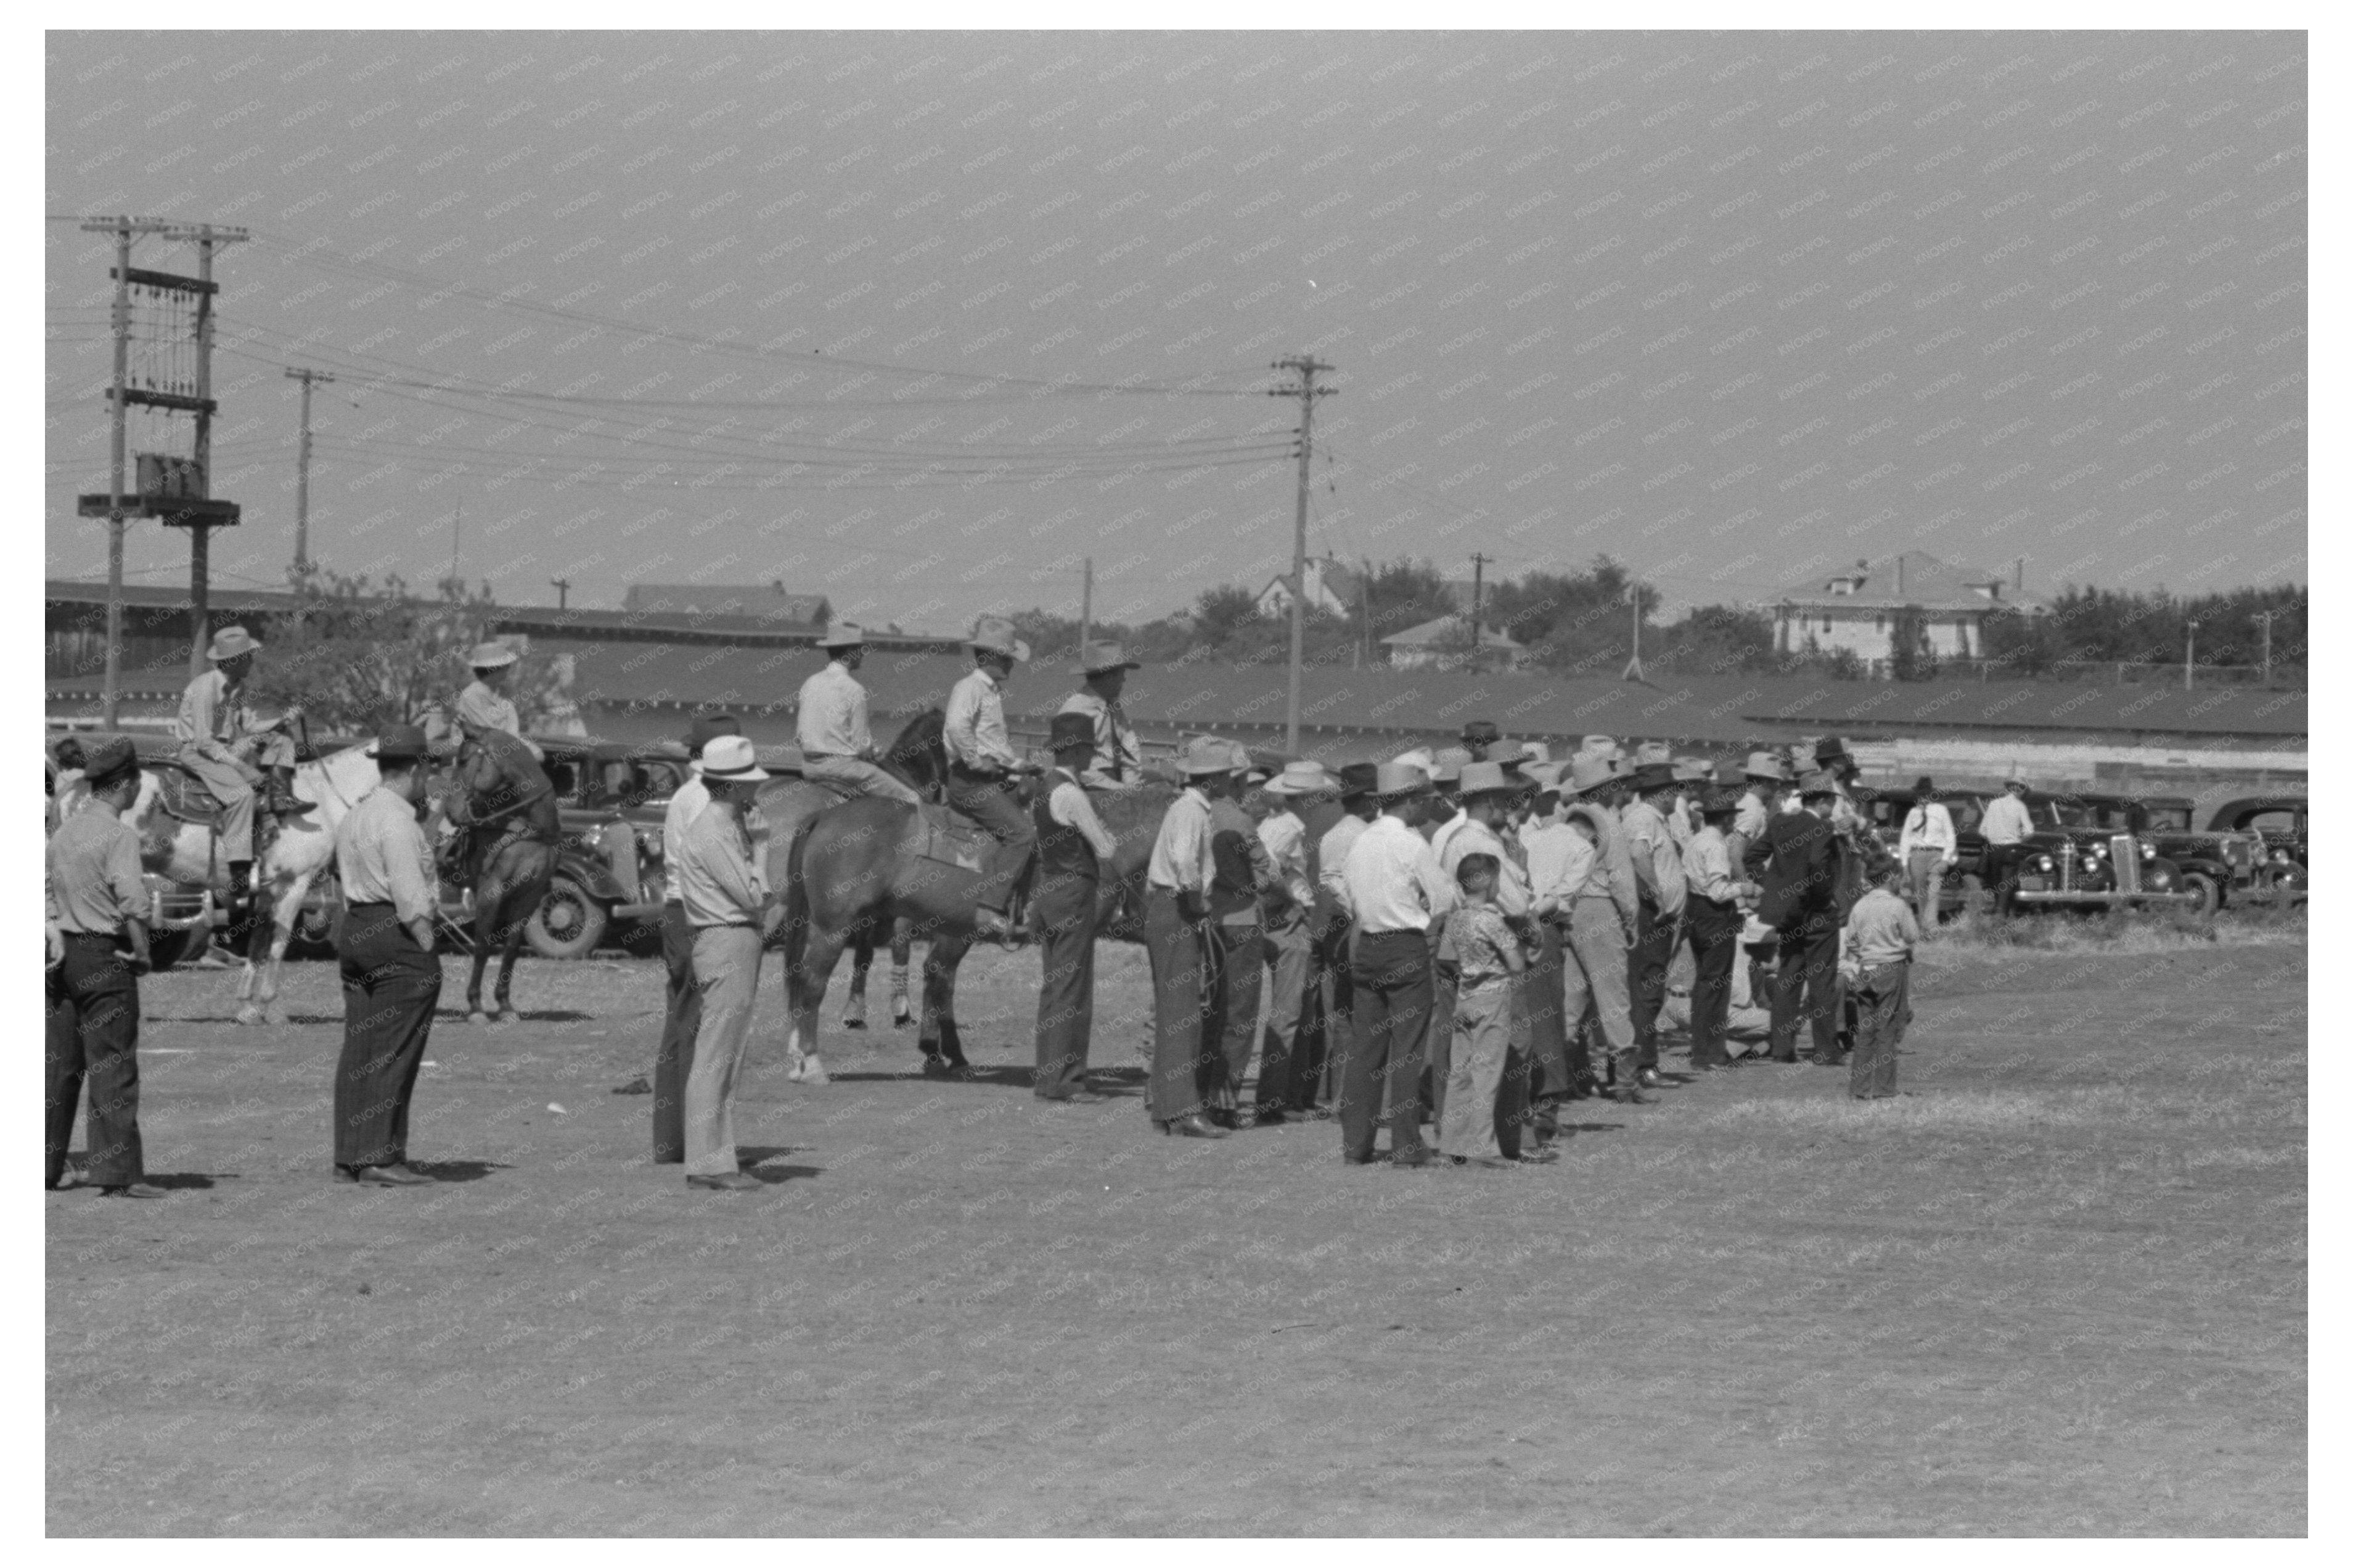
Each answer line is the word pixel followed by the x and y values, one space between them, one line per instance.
pixel 282 801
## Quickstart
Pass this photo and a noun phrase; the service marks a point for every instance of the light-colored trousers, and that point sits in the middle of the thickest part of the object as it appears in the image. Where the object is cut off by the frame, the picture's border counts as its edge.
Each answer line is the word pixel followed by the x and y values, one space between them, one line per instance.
pixel 1593 972
pixel 1474 1069
pixel 230 786
pixel 1926 872
pixel 727 972
pixel 1290 958
pixel 857 775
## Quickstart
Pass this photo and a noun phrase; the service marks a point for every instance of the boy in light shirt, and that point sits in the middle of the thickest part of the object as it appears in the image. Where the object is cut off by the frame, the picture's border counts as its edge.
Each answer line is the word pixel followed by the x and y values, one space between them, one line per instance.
pixel 1876 963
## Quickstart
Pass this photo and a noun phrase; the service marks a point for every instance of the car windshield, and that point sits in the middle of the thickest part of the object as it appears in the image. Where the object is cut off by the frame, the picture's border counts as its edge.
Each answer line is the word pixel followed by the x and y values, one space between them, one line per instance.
pixel 2169 818
pixel 2276 822
pixel 2092 813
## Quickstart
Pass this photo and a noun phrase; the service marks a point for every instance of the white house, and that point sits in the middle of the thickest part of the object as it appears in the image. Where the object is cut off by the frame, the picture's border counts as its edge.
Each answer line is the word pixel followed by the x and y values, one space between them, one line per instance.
pixel 1445 643
pixel 1333 586
pixel 1866 608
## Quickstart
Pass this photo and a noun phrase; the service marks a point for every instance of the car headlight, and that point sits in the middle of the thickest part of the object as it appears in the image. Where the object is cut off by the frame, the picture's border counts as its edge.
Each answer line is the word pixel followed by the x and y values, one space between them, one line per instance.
pixel 2097 852
pixel 2148 851
pixel 2044 863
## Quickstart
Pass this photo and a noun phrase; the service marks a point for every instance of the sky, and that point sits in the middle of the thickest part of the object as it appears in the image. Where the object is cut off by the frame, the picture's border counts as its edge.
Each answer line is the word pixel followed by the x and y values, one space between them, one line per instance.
pixel 921 322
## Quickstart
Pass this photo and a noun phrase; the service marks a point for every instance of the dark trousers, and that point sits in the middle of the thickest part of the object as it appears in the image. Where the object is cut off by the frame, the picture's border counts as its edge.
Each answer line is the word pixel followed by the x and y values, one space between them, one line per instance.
pixel 682 1016
pixel 988 802
pixel 1066 992
pixel 2000 876
pixel 1181 1055
pixel 1714 944
pixel 1883 1007
pixel 390 985
pixel 1315 1070
pixel 1808 969
pixel 1237 955
pixel 1548 1070
pixel 1392 995
pixel 1646 980
pixel 93 1036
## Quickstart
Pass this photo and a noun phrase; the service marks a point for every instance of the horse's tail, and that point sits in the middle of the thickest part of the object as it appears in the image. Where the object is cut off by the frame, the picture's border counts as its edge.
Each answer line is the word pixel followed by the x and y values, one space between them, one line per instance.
pixel 796 907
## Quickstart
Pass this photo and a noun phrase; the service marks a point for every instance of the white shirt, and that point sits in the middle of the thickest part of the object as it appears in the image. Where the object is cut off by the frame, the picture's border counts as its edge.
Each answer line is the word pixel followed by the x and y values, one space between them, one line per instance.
pixel 975 725
pixel 1929 826
pixel 1332 853
pixel 1285 837
pixel 1181 860
pixel 1707 867
pixel 685 808
pixel 2007 821
pixel 1658 865
pixel 1475 837
pixel 1754 813
pixel 1070 806
pixel 1445 831
pixel 832 721
pixel 1559 857
pixel 1392 881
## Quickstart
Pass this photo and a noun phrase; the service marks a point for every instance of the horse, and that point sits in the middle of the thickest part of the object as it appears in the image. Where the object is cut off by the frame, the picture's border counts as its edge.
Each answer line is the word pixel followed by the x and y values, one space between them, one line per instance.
pixel 181 850
pixel 848 869
pixel 500 799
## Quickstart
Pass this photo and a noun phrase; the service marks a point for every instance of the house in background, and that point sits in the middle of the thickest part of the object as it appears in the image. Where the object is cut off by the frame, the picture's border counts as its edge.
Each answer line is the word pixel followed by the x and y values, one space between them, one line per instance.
pixel 1445 643
pixel 1333 586
pixel 1870 610
pixel 769 602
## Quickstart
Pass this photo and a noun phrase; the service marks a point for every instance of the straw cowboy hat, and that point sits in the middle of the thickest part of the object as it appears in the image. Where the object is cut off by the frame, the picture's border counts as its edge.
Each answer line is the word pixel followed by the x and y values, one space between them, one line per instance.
pixel 1447 765
pixel 1302 778
pixel 1589 772
pixel 994 634
pixel 1547 777
pixel 1693 770
pixel 1652 751
pixel 231 642
pixel 1395 781
pixel 1420 757
pixel 1486 778
pixel 1204 755
pixel 1815 784
pixel 491 656
pixel 1102 657
pixel 729 758
pixel 843 634
pixel 1767 765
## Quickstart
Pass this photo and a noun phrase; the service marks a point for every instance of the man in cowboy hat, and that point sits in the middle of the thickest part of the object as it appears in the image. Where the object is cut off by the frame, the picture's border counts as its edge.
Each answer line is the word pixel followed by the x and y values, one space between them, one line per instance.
pixel 837 742
pixel 1693 778
pixel 99 907
pixel 1549 846
pixel 1592 894
pixel 1393 890
pixel 484 704
pixel 1766 779
pixel 2006 826
pixel 1118 759
pixel 1244 876
pixel 1925 847
pixel 1290 941
pixel 1660 882
pixel 1480 734
pixel 1176 939
pixel 1801 901
pixel 1358 807
pixel 682 999
pixel 391 978
pixel 1075 853
pixel 725 890
pixel 1442 816
pixel 982 770
pixel 1489 794
pixel 1717 890
pixel 225 744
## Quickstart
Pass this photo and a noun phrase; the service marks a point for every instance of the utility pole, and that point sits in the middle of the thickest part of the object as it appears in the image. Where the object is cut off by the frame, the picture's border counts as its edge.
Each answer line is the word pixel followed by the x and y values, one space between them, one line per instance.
pixel 1307 367
pixel 2190 662
pixel 1478 602
pixel 563 586
pixel 1086 607
pixel 1634 665
pixel 457 522
pixel 302 470
pixel 2266 617
pixel 111 697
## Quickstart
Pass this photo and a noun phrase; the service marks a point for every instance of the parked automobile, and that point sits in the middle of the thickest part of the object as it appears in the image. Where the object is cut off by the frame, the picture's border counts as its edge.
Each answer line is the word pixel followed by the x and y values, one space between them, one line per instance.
pixel 2087 851
pixel 607 886
pixel 2279 823
pixel 2223 865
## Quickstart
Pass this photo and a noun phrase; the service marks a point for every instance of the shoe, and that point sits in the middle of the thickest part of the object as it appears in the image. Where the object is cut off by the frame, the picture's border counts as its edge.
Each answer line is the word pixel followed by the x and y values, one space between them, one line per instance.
pixel 392 1176
pixel 1631 1094
pixel 1269 1119
pixel 131 1190
pixel 1539 1157
pixel 1225 1117
pixel 732 1182
pixel 1648 1077
pixel 1308 1113
pixel 1193 1126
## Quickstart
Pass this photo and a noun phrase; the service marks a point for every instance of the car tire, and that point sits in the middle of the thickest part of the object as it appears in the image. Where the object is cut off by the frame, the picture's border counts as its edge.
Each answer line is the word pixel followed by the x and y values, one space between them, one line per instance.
pixel 166 948
pixel 2208 893
pixel 568 923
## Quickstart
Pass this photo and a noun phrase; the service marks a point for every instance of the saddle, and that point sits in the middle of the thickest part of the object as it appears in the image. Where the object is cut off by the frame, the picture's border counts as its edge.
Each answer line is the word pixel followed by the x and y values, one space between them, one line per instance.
pixel 951 837
pixel 182 795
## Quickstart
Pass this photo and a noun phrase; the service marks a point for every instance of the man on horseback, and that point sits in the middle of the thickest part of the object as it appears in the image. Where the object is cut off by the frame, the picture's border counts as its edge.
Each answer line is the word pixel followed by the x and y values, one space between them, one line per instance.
pixel 982 770
pixel 836 740
pixel 1118 760
pixel 228 745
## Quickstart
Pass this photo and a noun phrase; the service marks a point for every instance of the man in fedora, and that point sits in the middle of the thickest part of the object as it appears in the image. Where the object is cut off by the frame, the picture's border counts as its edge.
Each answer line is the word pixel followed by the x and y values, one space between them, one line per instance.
pixel 225 744
pixel 1925 847
pixel 982 770
pixel 682 999
pixel 1591 892
pixel 484 704
pixel 1319 1081
pixel 391 977
pixel 1766 781
pixel 1176 939
pixel 1289 928
pixel 2008 824
pixel 98 908
pixel 725 890
pixel 1393 890
pixel 1075 853
pixel 1441 810
pixel 1804 875
pixel 1118 759
pixel 837 742
pixel 1244 876
pixel 1659 883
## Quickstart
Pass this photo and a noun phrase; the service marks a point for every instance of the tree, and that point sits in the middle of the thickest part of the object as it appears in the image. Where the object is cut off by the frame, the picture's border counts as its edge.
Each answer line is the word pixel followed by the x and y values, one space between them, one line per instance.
pixel 365 658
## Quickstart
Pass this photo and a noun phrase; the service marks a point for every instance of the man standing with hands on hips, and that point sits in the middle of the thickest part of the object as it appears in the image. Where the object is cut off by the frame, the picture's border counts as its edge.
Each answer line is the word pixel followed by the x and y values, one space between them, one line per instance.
pixel 727 903
pixel 98 949
pixel 391 977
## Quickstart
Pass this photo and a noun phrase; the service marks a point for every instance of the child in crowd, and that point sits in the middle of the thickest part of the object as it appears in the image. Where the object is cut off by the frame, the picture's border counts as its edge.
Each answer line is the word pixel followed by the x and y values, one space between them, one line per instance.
pixel 1486 961
pixel 1876 963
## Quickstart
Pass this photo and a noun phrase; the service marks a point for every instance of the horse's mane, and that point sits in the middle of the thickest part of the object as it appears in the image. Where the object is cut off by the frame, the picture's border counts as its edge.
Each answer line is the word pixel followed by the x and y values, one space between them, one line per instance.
pixel 918 755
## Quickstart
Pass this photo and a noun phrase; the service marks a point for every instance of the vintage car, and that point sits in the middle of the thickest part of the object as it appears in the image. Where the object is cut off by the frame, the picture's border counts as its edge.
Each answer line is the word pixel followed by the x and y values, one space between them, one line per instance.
pixel 2087 851
pixel 2222 865
pixel 608 886
pixel 2279 823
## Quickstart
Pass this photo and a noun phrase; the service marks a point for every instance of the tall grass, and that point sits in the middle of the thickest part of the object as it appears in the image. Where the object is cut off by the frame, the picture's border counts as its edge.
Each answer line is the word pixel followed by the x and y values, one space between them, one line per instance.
pixel 2123 930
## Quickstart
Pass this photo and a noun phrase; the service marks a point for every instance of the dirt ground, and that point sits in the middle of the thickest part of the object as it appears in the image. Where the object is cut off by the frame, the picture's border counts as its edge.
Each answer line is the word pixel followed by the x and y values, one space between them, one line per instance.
pixel 2057 1287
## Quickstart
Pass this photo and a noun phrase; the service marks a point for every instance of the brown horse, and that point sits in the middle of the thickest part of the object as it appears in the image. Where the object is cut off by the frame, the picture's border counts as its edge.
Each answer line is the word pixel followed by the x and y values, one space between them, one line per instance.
pixel 500 799
pixel 852 870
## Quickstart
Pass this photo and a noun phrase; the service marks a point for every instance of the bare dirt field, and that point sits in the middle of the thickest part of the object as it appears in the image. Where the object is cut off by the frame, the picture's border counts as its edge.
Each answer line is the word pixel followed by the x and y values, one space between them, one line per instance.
pixel 2058 1287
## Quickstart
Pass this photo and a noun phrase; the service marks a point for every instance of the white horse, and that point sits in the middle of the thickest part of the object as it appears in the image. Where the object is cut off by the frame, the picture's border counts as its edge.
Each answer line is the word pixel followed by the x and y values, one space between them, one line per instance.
pixel 305 844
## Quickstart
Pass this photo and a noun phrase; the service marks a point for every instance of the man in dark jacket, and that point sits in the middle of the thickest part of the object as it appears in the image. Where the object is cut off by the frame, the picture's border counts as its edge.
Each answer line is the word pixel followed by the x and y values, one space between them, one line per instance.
pixel 1805 901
